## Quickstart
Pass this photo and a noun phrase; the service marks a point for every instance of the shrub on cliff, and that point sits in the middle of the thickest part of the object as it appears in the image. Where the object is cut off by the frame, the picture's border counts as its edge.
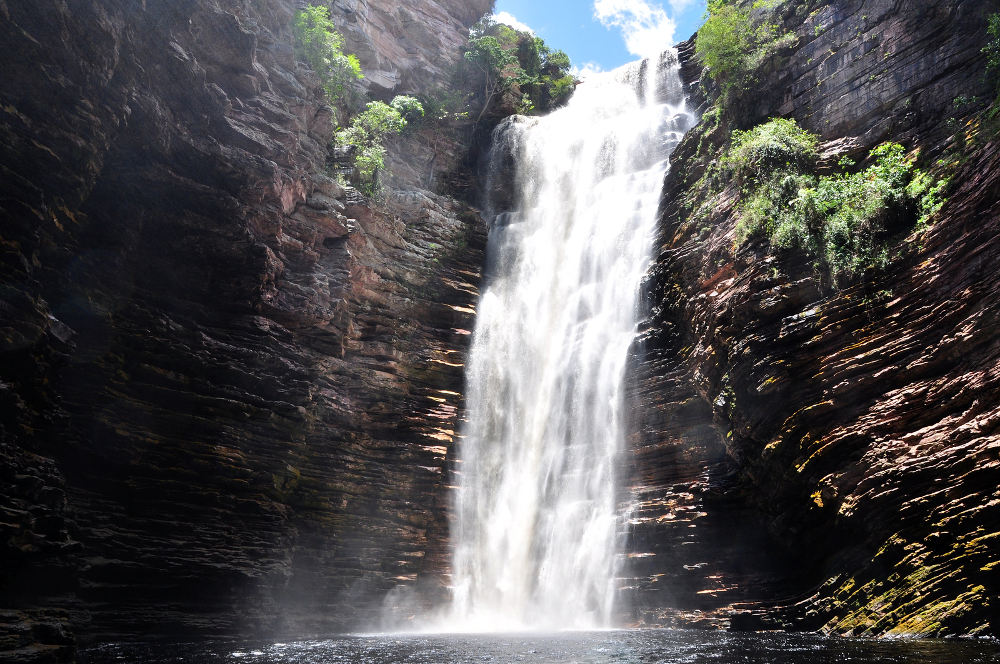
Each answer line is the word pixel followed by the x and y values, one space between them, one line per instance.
pixel 369 131
pixel 775 145
pixel 992 52
pixel 992 48
pixel 408 107
pixel 319 44
pixel 844 221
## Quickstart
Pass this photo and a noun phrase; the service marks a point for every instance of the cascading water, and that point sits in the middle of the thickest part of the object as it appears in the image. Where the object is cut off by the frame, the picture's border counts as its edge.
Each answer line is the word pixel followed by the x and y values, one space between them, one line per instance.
pixel 537 524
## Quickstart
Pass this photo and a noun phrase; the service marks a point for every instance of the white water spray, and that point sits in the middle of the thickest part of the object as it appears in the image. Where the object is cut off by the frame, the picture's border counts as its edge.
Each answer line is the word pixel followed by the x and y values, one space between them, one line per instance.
pixel 537 528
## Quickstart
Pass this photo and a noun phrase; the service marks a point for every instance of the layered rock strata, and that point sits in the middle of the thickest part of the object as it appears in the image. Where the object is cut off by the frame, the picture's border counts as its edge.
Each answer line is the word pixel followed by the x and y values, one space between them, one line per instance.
pixel 413 47
pixel 228 385
pixel 854 429
pixel 407 45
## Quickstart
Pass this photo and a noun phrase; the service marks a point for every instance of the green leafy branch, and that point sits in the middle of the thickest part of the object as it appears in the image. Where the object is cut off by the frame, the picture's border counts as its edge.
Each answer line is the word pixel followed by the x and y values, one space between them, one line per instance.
pixel 517 66
pixel 369 131
pixel 319 44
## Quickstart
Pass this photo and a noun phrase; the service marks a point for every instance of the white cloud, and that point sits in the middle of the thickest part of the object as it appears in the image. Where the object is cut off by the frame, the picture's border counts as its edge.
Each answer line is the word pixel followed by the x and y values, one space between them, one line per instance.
pixel 680 5
pixel 587 69
pixel 646 27
pixel 509 19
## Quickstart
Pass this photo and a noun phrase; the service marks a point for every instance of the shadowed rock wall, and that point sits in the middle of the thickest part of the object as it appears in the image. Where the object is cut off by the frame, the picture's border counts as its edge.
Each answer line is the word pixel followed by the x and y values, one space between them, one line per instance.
pixel 227 386
pixel 810 457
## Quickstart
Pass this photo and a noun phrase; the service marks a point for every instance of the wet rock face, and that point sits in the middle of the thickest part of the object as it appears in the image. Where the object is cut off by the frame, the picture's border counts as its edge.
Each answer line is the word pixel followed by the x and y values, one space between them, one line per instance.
pixel 227 387
pixel 859 425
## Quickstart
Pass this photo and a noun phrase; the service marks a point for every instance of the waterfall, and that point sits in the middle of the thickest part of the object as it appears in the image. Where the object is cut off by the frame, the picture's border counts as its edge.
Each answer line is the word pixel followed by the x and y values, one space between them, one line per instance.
pixel 537 522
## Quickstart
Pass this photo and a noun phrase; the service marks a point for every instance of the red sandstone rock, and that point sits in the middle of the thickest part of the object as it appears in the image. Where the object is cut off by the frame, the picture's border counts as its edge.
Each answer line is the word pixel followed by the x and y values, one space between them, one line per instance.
pixel 227 393
pixel 858 424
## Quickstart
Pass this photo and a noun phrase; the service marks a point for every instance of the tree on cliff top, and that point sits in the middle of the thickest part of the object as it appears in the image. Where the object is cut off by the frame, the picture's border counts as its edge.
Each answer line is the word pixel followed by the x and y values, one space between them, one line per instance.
pixel 496 64
pixel 517 65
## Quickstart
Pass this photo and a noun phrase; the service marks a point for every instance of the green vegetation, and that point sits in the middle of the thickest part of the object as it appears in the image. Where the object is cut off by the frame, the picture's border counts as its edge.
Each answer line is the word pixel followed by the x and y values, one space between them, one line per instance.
pixel 844 221
pixel 992 48
pixel 971 125
pixel 517 68
pixel 320 45
pixel 724 42
pixel 511 72
pixel 992 51
pixel 776 145
pixel 734 42
pixel 544 78
pixel 445 105
pixel 368 132
pixel 408 107
pixel 496 64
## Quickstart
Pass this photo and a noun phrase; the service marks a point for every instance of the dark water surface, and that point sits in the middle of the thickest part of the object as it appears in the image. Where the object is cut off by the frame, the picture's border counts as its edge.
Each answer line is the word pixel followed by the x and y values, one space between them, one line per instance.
pixel 624 647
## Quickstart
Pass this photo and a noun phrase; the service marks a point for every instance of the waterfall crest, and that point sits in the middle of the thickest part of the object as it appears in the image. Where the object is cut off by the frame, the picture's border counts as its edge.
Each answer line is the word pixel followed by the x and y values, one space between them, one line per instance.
pixel 537 520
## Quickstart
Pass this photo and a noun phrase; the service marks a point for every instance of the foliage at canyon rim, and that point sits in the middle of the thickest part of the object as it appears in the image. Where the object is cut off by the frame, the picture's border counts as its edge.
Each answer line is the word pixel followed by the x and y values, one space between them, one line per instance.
pixel 735 40
pixel 321 46
pixel 516 65
pixel 847 223
pixel 511 72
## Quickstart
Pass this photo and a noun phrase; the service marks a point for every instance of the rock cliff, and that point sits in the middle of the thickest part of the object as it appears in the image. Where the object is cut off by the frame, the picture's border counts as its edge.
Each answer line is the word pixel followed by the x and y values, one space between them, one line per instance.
pixel 407 45
pixel 812 457
pixel 228 385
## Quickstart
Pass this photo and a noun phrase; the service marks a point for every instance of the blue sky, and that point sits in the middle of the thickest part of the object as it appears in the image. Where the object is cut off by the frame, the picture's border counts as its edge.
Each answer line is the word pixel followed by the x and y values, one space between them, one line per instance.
pixel 605 34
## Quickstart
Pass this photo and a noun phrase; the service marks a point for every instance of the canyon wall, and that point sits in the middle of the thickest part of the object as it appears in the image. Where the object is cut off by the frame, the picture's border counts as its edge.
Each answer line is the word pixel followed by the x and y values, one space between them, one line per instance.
pixel 812 457
pixel 228 385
